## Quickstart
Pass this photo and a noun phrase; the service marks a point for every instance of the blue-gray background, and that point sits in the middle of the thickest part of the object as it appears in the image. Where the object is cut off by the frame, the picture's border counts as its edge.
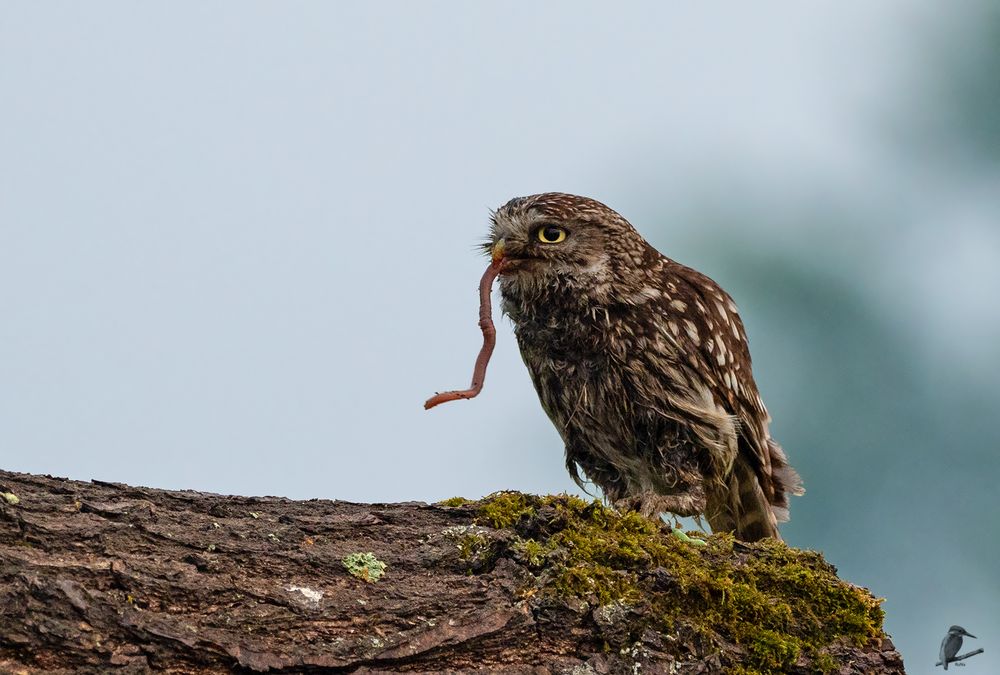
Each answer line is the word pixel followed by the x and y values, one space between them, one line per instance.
pixel 236 248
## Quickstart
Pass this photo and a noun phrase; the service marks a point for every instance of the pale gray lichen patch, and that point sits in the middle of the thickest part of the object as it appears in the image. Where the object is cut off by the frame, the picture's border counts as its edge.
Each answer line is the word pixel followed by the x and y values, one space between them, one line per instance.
pixel 311 596
pixel 364 566
pixel 456 531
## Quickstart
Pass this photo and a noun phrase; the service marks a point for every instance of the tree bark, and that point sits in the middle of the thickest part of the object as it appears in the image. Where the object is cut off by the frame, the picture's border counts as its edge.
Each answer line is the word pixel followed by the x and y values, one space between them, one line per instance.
pixel 107 578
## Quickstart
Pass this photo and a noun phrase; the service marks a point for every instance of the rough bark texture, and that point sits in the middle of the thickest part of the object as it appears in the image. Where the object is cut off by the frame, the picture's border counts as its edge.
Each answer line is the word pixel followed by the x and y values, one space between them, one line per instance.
pixel 105 578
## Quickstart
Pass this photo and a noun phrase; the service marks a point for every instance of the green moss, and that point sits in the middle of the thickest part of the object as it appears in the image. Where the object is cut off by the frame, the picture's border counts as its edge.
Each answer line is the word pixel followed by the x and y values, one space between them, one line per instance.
pixel 454 501
pixel 530 552
pixel 480 551
pixel 777 603
pixel 770 650
pixel 824 663
pixel 471 545
pixel 594 582
pixel 364 566
pixel 503 509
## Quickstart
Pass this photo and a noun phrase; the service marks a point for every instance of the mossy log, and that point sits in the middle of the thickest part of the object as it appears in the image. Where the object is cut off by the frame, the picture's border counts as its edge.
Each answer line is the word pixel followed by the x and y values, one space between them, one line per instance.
pixel 107 578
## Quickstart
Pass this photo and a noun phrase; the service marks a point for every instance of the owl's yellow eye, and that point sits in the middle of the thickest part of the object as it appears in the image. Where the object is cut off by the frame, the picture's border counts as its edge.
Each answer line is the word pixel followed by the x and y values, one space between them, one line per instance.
pixel 551 234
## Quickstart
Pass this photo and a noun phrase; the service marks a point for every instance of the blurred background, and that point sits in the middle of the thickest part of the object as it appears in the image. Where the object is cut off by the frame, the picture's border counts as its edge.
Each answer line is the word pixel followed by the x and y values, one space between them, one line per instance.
pixel 236 249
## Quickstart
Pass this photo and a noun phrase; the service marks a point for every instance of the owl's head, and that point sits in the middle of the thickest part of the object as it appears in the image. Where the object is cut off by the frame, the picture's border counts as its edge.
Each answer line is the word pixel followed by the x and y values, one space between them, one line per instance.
pixel 560 236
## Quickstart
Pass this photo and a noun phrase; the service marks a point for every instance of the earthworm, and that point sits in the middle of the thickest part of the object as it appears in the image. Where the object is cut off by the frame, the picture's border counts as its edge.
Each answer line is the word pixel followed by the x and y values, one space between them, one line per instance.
pixel 489 341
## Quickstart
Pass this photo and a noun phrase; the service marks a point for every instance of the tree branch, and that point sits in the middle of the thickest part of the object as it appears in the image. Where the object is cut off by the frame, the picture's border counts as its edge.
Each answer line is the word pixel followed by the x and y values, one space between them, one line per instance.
pixel 107 578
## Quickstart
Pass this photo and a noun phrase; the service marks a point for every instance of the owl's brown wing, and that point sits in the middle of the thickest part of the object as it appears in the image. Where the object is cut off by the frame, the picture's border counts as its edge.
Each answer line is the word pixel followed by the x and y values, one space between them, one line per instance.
pixel 703 321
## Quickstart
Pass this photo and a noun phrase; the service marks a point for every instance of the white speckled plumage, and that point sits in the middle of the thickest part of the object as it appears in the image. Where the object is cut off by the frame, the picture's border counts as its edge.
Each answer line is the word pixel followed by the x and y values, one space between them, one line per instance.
pixel 643 366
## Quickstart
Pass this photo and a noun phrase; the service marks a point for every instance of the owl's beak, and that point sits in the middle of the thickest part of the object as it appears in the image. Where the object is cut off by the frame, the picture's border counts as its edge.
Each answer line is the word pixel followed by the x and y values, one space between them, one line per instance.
pixel 497 251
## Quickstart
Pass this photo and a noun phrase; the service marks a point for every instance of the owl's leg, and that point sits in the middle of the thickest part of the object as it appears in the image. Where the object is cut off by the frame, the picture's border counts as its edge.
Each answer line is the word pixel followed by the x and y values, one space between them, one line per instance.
pixel 686 504
pixel 651 504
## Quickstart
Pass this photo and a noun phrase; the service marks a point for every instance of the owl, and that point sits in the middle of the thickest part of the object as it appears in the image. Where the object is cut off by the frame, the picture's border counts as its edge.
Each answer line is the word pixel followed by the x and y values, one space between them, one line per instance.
pixel 642 364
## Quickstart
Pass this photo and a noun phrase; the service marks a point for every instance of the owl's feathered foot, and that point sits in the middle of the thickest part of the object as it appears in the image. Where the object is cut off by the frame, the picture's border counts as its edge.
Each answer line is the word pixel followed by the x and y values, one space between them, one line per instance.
pixel 652 504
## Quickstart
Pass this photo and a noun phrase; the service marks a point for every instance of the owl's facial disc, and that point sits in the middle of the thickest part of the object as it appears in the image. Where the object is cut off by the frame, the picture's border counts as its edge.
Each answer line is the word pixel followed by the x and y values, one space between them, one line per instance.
pixel 541 247
pixel 519 255
pixel 523 255
pixel 556 238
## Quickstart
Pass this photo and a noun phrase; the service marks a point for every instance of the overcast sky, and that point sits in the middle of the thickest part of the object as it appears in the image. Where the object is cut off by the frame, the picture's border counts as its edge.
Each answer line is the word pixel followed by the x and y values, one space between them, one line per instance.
pixel 238 245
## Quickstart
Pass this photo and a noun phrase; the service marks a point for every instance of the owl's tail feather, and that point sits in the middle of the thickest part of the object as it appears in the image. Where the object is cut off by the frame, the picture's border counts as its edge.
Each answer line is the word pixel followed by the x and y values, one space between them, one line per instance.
pixel 751 505
pixel 783 480
pixel 740 507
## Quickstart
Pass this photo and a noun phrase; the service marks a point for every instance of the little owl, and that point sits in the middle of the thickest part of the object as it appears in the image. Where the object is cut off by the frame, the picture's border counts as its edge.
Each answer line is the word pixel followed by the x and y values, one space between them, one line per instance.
pixel 642 365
